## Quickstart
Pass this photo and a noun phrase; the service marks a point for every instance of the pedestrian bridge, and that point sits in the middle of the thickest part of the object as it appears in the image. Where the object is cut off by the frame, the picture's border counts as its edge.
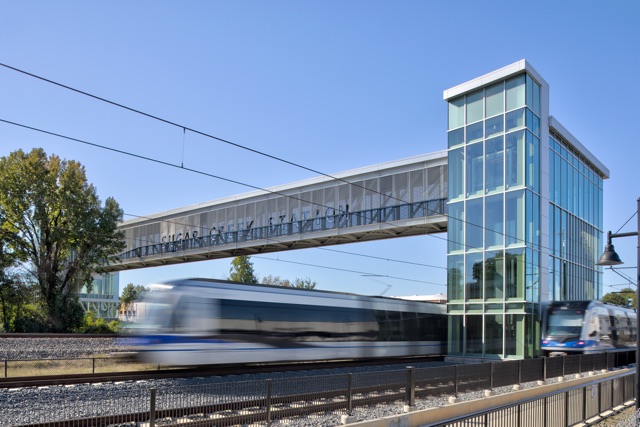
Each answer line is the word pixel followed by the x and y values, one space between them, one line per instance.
pixel 394 199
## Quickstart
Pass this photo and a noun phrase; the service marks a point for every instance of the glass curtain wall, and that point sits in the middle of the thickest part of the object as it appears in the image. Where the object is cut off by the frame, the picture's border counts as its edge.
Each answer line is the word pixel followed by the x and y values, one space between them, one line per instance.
pixel 494 219
pixel 575 212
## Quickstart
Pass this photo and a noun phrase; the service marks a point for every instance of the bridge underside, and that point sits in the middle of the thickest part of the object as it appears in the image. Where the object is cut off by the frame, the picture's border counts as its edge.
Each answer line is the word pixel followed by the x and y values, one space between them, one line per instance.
pixel 277 238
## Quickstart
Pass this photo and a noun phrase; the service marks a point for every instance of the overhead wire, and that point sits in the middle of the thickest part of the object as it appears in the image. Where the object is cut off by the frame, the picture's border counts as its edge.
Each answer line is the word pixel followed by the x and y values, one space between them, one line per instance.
pixel 190 170
pixel 185 128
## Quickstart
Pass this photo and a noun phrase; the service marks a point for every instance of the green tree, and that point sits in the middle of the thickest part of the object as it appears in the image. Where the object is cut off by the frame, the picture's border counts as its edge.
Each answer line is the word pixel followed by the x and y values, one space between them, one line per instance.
pixel 130 293
pixel 275 281
pixel 242 270
pixel 621 298
pixel 297 283
pixel 304 283
pixel 52 221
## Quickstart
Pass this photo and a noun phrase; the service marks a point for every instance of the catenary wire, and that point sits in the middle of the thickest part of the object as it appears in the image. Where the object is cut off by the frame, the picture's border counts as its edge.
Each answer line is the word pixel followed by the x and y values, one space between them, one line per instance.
pixel 188 169
pixel 184 128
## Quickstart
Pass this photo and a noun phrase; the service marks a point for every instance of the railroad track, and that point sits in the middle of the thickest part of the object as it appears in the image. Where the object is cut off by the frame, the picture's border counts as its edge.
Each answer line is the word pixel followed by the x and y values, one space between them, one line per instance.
pixel 204 371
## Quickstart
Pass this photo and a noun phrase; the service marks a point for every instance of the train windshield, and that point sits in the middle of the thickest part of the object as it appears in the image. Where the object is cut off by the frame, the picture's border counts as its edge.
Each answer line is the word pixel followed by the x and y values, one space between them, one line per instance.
pixel 160 312
pixel 565 322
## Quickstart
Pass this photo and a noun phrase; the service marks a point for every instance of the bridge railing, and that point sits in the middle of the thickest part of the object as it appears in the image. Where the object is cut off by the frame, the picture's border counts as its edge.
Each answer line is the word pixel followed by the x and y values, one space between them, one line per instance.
pixel 335 220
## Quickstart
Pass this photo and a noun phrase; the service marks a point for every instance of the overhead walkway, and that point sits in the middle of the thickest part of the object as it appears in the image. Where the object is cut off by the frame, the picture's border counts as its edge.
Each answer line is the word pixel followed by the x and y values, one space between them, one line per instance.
pixel 394 199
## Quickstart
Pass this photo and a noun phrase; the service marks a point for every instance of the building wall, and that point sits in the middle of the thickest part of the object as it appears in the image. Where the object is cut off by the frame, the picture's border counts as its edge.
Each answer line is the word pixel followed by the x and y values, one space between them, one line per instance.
pixel 103 299
pixel 508 213
pixel 495 197
pixel 575 212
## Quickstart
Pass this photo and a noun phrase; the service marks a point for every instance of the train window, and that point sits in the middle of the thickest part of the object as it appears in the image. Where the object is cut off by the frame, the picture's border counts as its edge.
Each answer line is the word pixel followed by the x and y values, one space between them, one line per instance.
pixel 293 321
pixel 565 322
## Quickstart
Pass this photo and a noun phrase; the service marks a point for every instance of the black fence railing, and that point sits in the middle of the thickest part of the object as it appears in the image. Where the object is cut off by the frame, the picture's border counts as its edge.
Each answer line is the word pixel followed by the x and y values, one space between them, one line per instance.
pixel 272 401
pixel 569 407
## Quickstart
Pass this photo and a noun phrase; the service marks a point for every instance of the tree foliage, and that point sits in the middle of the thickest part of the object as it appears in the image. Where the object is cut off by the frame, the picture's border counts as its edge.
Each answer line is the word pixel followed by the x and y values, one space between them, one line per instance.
pixel 130 293
pixel 242 270
pixel 297 282
pixel 621 298
pixel 53 223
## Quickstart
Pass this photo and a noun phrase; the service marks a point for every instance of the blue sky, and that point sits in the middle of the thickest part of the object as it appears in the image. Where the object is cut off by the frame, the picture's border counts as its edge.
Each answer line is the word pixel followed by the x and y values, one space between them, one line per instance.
pixel 331 85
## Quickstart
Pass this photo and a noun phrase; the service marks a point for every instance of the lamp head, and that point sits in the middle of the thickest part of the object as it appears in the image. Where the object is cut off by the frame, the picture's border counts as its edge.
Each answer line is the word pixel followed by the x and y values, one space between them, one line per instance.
pixel 609 256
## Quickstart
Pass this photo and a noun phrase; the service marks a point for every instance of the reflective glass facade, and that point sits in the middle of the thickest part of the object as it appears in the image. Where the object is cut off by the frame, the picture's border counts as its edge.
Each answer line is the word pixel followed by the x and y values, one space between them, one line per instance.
pixel 525 214
pixel 103 299
pixel 494 223
pixel 575 211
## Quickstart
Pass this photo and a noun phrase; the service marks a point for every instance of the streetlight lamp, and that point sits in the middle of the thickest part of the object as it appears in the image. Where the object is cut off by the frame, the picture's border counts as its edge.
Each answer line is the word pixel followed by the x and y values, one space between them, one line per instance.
pixel 610 257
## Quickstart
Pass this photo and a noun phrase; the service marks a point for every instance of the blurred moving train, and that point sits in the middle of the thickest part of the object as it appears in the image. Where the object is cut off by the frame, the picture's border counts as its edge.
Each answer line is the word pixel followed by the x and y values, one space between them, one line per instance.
pixel 205 321
pixel 587 327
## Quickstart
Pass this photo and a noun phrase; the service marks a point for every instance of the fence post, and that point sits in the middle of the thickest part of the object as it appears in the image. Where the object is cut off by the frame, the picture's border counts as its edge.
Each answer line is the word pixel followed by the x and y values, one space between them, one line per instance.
pixel 491 377
pixel 93 365
pixel 544 368
pixel 519 372
pixel 584 403
pixel 455 381
pixel 268 401
pixel 410 387
pixel 580 365
pixel 349 394
pixel 6 375
pixel 566 408
pixel 152 408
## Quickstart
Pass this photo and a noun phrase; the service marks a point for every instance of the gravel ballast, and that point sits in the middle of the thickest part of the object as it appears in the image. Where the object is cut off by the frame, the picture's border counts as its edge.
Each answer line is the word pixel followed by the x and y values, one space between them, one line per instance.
pixel 30 405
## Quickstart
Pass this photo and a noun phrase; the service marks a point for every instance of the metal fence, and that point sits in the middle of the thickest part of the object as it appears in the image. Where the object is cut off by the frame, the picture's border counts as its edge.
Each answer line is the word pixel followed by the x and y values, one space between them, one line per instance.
pixel 559 409
pixel 16 368
pixel 272 401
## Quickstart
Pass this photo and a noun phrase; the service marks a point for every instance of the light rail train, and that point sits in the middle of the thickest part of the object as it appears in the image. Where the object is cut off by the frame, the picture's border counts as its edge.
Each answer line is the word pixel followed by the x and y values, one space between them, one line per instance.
pixel 206 321
pixel 587 327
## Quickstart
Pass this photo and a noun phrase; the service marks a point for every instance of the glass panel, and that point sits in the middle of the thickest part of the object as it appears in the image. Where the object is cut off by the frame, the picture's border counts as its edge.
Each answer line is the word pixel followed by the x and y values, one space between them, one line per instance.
pixel 536 164
pixel 474 224
pixel 456 113
pixel 515 92
pixel 529 91
pixel 475 132
pixel 515 273
pixel 455 276
pixel 474 334
pixel 455 228
pixel 494 160
pixel 494 275
pixel 475 170
pixel 456 137
pixel 494 125
pixel 456 173
pixel 536 126
pixel 532 162
pixel 494 233
pixel 456 330
pixel 474 107
pixel 515 155
pixel 515 119
pixel 493 327
pixel 473 276
pixel 494 99
pixel 536 98
pixel 536 220
pixel 514 221
pixel 514 335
